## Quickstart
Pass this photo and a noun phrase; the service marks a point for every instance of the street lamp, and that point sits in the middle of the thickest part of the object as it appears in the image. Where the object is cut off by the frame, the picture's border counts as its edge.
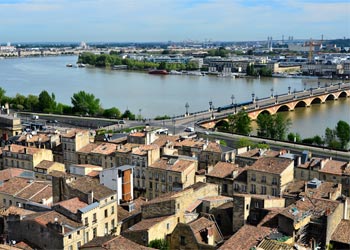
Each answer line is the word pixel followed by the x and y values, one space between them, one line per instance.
pixel 173 120
pixel 304 86
pixel 232 98
pixel 140 114
pixel 253 97
pixel 276 98
pixel 310 91
pixel 339 85
pixel 319 84
pixel 271 92
pixel 289 90
pixel 187 106
pixel 210 105
pixel 295 93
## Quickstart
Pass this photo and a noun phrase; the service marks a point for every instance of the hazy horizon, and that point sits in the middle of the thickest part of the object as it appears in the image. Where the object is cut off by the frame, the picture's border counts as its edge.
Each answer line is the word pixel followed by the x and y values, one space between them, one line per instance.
pixel 28 21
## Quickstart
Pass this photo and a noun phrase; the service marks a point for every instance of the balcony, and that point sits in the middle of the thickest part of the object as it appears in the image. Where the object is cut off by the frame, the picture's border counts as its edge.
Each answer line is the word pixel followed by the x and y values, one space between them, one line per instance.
pixel 94 221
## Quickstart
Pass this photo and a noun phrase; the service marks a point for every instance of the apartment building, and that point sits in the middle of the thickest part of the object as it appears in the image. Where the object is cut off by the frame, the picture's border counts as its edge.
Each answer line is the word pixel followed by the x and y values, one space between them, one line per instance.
pixel 142 157
pixel 223 175
pixel 17 156
pixel 98 204
pixel 44 168
pixel 169 174
pixel 26 193
pixel 214 152
pixel 72 141
pixel 269 175
pixel 9 126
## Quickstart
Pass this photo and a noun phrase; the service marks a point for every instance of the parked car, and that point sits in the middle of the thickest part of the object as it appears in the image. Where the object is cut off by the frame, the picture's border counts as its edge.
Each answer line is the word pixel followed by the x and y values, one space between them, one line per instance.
pixel 52 121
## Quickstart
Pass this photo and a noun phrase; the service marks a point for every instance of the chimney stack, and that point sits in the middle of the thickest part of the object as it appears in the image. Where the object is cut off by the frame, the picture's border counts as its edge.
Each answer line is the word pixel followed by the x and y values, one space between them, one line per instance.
pixel 90 197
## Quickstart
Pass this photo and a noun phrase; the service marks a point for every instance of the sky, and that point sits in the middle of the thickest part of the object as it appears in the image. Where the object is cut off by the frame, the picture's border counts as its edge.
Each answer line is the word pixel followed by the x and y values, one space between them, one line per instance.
pixel 171 20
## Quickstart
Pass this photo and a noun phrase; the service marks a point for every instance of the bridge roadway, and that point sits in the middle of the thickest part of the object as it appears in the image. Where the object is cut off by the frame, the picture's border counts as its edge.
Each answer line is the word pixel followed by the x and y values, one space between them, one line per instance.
pixel 271 104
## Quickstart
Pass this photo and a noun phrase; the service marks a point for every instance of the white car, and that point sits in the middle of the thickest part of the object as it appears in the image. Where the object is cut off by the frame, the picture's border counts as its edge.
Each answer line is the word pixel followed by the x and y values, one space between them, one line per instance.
pixel 189 129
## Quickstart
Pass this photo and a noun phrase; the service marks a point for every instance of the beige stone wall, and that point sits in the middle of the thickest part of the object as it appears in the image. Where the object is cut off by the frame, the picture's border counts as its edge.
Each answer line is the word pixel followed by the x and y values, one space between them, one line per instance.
pixel 333 221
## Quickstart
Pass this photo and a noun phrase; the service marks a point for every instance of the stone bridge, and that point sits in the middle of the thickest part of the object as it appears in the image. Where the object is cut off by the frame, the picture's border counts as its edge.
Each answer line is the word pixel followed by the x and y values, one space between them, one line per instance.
pixel 284 102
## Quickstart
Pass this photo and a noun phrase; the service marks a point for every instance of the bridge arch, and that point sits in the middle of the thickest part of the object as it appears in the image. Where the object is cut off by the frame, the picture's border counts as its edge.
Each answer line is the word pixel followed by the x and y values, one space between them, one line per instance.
pixel 316 100
pixel 342 94
pixel 330 97
pixel 300 104
pixel 282 108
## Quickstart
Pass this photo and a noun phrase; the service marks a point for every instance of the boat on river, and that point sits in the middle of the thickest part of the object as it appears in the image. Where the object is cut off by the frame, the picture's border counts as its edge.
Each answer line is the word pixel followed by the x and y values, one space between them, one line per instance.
pixel 158 72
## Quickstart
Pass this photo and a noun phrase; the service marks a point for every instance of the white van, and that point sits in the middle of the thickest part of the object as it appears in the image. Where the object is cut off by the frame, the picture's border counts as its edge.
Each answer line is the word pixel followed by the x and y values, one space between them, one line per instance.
pixel 35 117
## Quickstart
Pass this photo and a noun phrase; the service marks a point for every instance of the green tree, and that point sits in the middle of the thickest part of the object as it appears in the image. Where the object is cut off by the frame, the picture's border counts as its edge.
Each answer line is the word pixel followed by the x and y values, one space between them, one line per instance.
pixel 46 102
pixel 85 103
pixel 31 103
pixel 280 126
pixel 159 244
pixel 343 133
pixel 128 115
pixel 2 95
pixel 244 142
pixel 264 122
pixel 240 123
pixel 112 113
pixel 330 136
pixel 292 136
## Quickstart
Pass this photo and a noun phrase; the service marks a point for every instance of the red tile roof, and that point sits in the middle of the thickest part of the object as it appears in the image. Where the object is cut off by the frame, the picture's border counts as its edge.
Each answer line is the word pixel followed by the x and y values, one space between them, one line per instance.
pixel 45 164
pixel 272 165
pixel 177 165
pixel 72 205
pixel 44 218
pixel 246 237
pixel 9 173
pixel 334 167
pixel 224 170
pixel 111 243
pixel 342 232
pixel 145 224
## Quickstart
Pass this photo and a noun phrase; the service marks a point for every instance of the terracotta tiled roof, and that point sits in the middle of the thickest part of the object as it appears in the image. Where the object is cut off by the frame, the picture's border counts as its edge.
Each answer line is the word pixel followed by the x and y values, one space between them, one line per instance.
pixel 13 210
pixel 334 167
pixel 310 206
pixel 104 149
pixel 200 224
pixel 45 164
pixel 72 205
pixel 14 148
pixel 254 153
pixel 126 148
pixel 224 170
pixel 24 246
pixel 87 184
pixel 271 218
pixel 114 242
pixel 342 232
pixel 194 143
pixel 94 173
pixel 88 148
pixel 36 191
pixel 246 237
pixel 72 132
pixel 145 224
pixel 297 188
pixel 9 173
pixel 123 214
pixel 313 162
pixel 177 165
pixel 14 185
pixel 274 245
pixel 142 150
pixel 45 218
pixel 138 134
pixel 213 147
pixel 163 139
pixel 272 165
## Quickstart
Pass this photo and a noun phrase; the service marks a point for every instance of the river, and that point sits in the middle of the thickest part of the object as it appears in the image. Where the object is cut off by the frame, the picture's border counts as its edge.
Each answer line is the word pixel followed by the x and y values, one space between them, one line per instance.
pixel 153 95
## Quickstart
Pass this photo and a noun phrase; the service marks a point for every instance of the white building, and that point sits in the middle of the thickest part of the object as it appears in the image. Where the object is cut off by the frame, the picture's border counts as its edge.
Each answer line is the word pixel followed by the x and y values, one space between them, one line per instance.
pixel 119 179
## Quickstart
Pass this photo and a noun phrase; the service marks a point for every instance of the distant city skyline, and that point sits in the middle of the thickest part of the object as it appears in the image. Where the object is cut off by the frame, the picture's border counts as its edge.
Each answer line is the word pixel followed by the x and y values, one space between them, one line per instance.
pixel 178 20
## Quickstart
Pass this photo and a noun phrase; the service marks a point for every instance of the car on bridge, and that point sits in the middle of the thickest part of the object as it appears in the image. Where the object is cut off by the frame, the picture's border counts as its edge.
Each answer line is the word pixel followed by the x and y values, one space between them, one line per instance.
pixel 189 129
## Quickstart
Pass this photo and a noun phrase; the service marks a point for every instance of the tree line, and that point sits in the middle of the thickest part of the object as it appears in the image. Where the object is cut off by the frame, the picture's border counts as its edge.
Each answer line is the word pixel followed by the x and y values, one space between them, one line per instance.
pixel 276 127
pixel 114 59
pixel 83 103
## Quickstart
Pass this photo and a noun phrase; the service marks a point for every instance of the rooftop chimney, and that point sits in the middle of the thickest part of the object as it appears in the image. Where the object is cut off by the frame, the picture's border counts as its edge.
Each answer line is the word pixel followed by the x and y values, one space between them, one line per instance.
pixel 90 197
